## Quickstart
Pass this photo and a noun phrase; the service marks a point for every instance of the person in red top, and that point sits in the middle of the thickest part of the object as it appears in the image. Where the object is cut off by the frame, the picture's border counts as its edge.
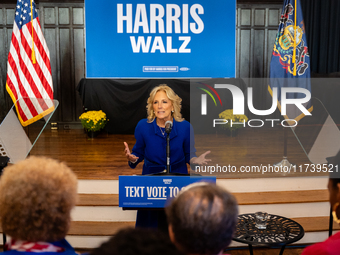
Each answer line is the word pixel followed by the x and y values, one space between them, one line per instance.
pixel 331 246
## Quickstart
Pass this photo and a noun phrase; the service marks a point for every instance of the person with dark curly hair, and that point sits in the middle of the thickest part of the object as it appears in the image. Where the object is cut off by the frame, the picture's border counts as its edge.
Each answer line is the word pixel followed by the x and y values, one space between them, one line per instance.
pixel 139 241
pixel 36 198
pixel 202 219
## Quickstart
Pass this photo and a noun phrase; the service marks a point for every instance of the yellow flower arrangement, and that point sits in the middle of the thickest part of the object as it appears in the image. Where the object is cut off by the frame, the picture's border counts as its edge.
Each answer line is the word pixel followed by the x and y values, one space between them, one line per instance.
pixel 231 118
pixel 93 120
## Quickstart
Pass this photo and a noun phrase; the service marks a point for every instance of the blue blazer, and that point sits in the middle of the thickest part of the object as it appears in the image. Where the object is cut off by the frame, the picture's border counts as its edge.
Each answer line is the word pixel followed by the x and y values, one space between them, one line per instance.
pixel 151 147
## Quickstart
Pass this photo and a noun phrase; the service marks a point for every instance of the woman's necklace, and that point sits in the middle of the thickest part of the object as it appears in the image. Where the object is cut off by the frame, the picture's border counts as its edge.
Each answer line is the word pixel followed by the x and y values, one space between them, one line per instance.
pixel 161 129
pixel 163 132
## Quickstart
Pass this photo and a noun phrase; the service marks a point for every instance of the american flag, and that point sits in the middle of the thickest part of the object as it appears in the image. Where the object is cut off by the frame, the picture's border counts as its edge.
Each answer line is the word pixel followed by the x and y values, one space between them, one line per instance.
pixel 29 77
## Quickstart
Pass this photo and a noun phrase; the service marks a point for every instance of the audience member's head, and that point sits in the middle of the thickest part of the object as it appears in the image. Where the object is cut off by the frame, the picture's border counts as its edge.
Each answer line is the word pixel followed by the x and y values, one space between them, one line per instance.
pixel 202 219
pixel 36 198
pixel 137 241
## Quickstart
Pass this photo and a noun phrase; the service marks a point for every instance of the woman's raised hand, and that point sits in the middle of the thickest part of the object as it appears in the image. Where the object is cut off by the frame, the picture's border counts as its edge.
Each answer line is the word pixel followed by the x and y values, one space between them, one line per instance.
pixel 129 156
pixel 201 160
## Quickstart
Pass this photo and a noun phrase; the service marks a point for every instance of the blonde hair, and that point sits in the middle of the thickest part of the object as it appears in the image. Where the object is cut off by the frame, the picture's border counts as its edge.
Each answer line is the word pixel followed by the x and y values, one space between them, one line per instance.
pixel 173 97
pixel 36 198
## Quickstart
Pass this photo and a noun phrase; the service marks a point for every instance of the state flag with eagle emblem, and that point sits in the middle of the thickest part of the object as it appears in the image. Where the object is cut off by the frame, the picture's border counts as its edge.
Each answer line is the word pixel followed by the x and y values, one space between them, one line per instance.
pixel 290 65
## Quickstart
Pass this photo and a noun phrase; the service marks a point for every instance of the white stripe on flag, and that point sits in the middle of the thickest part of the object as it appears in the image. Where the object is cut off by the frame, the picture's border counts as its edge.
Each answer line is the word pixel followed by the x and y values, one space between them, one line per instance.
pixel 25 84
pixel 22 54
pixel 41 37
pixel 30 66
pixel 13 78
pixel 23 106
pixel 15 56
pixel 39 58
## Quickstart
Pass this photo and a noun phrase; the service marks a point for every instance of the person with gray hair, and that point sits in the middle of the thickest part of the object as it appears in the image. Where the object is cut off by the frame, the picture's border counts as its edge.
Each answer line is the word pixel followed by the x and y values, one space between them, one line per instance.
pixel 202 219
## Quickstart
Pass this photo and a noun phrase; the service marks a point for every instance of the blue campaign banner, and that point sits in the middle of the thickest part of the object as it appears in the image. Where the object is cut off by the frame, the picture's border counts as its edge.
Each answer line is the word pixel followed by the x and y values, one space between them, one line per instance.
pixel 160 39
pixel 153 191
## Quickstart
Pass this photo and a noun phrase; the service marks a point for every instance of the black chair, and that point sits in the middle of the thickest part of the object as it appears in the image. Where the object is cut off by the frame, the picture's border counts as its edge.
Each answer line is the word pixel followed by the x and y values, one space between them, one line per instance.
pixel 3 163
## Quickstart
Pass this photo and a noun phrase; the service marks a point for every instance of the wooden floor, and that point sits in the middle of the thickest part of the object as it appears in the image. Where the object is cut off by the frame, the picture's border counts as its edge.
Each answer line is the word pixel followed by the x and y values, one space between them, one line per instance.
pixel 103 157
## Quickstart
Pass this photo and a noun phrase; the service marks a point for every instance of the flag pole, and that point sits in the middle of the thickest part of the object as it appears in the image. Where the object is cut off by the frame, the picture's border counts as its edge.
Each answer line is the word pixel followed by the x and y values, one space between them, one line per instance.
pixel 294 47
pixel 285 162
pixel 285 142
pixel 33 52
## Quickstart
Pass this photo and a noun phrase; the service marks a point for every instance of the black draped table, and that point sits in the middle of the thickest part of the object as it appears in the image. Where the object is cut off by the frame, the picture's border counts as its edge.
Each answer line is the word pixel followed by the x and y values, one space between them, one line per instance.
pixel 280 231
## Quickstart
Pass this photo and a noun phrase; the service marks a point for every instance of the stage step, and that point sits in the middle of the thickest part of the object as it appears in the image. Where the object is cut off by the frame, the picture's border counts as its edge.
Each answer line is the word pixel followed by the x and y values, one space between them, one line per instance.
pixel 310 224
pixel 97 200
pixel 98 228
pixel 103 230
pixel 244 198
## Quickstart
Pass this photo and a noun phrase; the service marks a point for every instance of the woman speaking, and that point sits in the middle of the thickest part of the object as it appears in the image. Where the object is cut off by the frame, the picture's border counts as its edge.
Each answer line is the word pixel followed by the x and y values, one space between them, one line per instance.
pixel 163 105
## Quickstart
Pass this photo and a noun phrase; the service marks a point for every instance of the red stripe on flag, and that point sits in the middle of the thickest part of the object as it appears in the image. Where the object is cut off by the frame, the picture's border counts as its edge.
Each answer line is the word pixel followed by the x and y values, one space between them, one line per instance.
pixel 20 86
pixel 13 65
pixel 42 50
pixel 39 72
pixel 13 90
pixel 39 46
pixel 22 113
pixel 25 69
pixel 11 86
pixel 11 61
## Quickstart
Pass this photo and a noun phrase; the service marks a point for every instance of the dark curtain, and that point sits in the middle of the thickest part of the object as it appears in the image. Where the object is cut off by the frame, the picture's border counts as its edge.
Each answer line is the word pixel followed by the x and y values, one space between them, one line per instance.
pixel 322 22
